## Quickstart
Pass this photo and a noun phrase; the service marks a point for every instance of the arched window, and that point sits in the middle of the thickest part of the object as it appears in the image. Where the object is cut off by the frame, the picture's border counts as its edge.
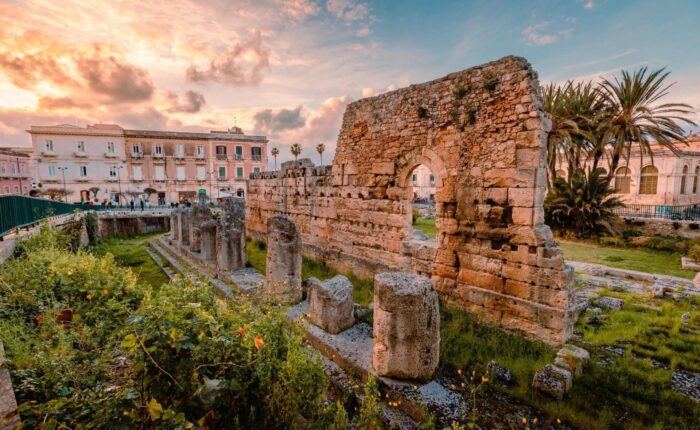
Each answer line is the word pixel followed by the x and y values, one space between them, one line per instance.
pixel 623 176
pixel 684 179
pixel 695 179
pixel 649 180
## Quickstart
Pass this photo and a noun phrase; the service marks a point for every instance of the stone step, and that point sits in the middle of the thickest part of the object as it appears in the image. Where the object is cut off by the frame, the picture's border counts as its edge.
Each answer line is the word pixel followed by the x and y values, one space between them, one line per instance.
pixel 158 260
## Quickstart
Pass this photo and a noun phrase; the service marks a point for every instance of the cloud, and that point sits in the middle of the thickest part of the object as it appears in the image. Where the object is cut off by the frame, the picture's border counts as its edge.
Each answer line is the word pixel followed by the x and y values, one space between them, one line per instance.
pixel 348 10
pixel 120 81
pixel 363 31
pixel 589 5
pixel 369 92
pixel 243 64
pixel 271 122
pixel 298 8
pixel 190 102
pixel 534 35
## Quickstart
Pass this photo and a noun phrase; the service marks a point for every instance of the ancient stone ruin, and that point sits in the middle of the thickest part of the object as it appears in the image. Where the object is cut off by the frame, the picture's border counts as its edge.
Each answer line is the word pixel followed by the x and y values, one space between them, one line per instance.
pixel 199 215
pixel 183 223
pixel 174 224
pixel 406 326
pixel 231 235
pixel 208 233
pixel 283 267
pixel 482 132
pixel 330 304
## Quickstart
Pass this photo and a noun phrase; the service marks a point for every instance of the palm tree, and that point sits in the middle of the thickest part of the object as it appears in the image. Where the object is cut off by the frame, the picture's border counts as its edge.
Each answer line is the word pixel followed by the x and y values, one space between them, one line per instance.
pixel 563 127
pixel 94 191
pixel 296 150
pixel 635 117
pixel 275 152
pixel 320 148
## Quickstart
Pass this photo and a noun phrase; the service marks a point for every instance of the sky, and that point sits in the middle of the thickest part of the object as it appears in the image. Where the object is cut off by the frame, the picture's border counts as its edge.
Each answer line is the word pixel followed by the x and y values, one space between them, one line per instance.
pixel 287 68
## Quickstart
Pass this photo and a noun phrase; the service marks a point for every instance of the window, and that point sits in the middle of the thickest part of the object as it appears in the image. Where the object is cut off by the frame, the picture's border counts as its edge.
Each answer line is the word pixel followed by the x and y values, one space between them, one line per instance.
pixel 81 146
pixel 622 180
pixel 112 171
pixel 158 149
pixel 82 171
pixel 181 173
pixel 110 147
pixel 200 151
pixel 239 152
pixel 13 168
pixel 415 179
pixel 432 180
pixel 51 171
pixel 221 152
pixel 256 153
pixel 136 148
pixel 239 172
pixel 137 172
pixel 695 180
pixel 684 179
pixel 49 145
pixel 222 172
pixel 649 180
pixel 180 150
pixel 16 189
pixel 201 173
pixel 256 169
pixel 160 172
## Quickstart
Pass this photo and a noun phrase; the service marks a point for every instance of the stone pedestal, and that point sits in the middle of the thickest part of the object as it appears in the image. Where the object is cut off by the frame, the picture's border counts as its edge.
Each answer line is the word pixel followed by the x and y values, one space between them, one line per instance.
pixel 175 224
pixel 184 225
pixel 283 272
pixel 330 304
pixel 200 214
pixel 231 236
pixel 208 239
pixel 406 326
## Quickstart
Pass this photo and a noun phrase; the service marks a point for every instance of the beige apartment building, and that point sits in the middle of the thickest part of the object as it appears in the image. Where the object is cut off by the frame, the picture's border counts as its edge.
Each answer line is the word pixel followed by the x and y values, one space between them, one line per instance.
pixel 669 179
pixel 107 162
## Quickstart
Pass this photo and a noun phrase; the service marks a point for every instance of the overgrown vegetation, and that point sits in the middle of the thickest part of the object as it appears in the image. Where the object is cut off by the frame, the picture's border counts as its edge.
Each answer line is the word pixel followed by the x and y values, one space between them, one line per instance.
pixel 88 346
pixel 132 253
pixel 311 267
pixel 426 226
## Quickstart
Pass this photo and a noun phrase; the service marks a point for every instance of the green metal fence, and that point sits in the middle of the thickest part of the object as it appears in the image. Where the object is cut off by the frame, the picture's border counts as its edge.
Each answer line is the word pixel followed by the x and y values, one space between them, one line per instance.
pixel 23 211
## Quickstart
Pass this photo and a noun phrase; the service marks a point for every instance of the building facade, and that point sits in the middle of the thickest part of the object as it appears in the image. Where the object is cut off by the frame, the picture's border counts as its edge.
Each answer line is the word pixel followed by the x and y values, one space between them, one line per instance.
pixel 107 162
pixel 669 179
pixel 15 172
pixel 423 182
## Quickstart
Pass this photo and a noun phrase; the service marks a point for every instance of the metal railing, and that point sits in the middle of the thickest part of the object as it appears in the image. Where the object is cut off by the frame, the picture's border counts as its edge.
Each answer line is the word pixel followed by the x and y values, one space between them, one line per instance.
pixel 676 213
pixel 22 211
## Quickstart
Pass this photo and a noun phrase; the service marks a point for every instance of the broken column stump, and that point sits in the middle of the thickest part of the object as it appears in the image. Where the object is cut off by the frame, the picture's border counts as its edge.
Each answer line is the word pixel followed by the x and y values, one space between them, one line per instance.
pixel 175 224
pixel 330 304
pixel 184 226
pixel 230 235
pixel 406 326
pixel 208 238
pixel 283 271
pixel 199 215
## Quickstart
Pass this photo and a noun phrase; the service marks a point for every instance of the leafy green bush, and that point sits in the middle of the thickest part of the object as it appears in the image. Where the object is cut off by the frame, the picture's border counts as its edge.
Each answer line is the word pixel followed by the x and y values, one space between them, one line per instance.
pixel 612 241
pixel 628 234
pixel 672 244
pixel 583 206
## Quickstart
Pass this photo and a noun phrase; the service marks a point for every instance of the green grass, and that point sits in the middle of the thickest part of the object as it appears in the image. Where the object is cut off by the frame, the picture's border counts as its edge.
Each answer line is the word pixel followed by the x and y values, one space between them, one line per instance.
pixel 628 393
pixel 427 226
pixel 640 259
pixel 310 267
pixel 132 253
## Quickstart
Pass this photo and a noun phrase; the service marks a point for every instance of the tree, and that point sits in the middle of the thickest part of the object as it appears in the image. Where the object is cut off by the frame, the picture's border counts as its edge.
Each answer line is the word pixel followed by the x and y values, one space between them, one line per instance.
pixel 148 191
pixel 296 151
pixel 275 153
pixel 94 191
pixel 320 148
pixel 583 205
pixel 634 116
pixel 563 127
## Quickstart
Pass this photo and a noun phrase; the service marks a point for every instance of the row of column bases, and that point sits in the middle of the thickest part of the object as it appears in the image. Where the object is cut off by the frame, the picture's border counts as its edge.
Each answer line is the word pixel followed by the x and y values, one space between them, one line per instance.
pixel 406 327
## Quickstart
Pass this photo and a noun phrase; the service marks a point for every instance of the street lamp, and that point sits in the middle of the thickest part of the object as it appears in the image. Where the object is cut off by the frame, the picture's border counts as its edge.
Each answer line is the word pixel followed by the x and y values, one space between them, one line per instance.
pixel 65 192
pixel 218 190
pixel 119 184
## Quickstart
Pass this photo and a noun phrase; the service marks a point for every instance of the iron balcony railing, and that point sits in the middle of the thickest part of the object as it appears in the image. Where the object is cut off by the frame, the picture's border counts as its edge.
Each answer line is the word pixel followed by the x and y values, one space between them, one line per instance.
pixel 676 213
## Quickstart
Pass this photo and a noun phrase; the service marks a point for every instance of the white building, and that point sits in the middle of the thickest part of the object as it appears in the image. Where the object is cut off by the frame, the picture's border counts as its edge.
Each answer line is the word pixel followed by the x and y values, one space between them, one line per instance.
pixel 423 183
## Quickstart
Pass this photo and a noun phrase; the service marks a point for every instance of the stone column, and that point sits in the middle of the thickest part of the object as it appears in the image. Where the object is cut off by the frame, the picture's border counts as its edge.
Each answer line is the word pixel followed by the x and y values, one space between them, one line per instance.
pixel 283 271
pixel 231 235
pixel 184 224
pixel 208 230
pixel 330 304
pixel 406 326
pixel 200 214
pixel 175 224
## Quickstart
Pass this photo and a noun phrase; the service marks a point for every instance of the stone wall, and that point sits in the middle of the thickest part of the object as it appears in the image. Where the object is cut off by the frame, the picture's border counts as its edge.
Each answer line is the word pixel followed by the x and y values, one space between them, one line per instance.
pixel 126 224
pixel 661 227
pixel 482 132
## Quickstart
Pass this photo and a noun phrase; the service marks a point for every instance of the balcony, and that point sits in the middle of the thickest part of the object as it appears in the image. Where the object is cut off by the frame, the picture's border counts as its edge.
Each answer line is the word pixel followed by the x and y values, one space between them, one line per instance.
pixel 256 157
pixel 199 156
pixel 79 154
pixel 181 180
pixel 179 156
pixel 51 180
pixel 112 179
pixel 221 157
pixel 137 155
pixel 136 179
pixel 84 179
pixel 239 156
pixel 156 155
pixel 47 153
pixel 110 155
pixel 159 179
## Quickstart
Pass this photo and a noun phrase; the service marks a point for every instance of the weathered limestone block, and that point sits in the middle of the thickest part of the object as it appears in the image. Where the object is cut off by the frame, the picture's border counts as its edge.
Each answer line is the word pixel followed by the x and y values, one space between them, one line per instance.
pixel 231 235
pixel 175 224
pixel 406 326
pixel 9 417
pixel 572 358
pixel 208 248
pixel 200 214
pixel 330 304
pixel 553 380
pixel 184 226
pixel 283 270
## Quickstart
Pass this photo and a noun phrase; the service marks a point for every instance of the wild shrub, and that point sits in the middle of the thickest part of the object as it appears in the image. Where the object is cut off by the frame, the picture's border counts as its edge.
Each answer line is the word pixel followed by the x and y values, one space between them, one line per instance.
pixel 612 241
